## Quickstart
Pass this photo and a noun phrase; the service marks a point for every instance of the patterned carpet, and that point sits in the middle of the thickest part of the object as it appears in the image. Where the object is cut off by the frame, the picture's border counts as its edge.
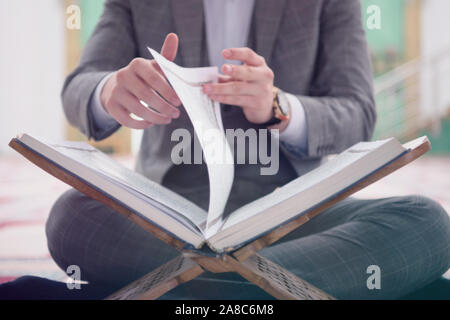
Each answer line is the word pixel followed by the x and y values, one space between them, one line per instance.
pixel 26 196
pixel 27 193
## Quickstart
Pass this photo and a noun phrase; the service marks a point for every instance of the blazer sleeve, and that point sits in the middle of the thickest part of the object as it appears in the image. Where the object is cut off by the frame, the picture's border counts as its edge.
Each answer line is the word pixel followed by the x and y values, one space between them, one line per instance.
pixel 340 108
pixel 111 47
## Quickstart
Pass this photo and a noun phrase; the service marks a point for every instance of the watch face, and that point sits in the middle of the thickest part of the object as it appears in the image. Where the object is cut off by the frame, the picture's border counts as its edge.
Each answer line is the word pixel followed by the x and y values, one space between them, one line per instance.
pixel 283 103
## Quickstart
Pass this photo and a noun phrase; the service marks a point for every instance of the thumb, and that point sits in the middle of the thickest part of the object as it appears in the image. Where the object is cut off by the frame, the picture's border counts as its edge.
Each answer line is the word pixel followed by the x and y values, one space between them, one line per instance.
pixel 170 47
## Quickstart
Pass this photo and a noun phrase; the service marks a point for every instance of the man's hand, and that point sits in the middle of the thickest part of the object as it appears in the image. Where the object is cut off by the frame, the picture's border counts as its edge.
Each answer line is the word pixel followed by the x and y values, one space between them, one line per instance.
pixel 248 86
pixel 142 80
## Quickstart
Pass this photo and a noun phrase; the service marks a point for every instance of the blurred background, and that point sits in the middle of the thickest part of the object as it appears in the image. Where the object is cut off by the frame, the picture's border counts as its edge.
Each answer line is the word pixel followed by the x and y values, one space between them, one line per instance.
pixel 410 52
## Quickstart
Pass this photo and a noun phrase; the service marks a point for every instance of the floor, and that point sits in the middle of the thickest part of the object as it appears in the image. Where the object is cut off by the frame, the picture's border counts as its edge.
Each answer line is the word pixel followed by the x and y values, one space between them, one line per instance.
pixel 27 193
pixel 26 196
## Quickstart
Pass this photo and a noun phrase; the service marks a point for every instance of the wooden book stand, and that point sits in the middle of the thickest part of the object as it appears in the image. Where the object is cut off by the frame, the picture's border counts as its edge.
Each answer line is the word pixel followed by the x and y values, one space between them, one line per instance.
pixel 245 261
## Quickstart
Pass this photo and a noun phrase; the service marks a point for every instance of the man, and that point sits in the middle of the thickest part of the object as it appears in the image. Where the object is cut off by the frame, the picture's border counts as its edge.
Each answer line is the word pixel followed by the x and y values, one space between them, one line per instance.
pixel 315 52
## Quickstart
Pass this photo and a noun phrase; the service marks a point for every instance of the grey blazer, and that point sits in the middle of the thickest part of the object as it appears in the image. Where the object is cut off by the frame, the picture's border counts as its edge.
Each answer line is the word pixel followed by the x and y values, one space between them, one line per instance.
pixel 316 48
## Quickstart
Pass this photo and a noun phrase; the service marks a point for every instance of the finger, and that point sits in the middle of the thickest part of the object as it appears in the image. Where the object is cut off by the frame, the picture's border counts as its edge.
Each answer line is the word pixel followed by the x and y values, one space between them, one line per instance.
pixel 156 66
pixel 241 101
pixel 224 78
pixel 170 47
pixel 169 50
pixel 133 105
pixel 246 55
pixel 123 117
pixel 248 73
pixel 141 91
pixel 237 88
pixel 146 72
pixel 157 103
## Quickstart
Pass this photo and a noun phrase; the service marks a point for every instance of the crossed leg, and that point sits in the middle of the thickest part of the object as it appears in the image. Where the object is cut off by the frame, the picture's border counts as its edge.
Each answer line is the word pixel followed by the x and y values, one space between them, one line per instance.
pixel 408 238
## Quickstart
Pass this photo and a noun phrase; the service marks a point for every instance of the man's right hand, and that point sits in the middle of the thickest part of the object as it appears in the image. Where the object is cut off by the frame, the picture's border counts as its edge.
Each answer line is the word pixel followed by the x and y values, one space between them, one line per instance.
pixel 142 80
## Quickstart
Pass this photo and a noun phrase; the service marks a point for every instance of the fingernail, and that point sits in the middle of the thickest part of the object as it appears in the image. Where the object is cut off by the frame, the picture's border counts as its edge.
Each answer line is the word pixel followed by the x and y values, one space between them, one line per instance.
pixel 227 68
pixel 176 101
pixel 226 53
pixel 176 115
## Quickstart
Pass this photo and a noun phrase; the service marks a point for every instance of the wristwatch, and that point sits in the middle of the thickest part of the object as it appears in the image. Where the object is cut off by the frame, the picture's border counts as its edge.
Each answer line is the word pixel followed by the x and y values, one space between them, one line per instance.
pixel 280 108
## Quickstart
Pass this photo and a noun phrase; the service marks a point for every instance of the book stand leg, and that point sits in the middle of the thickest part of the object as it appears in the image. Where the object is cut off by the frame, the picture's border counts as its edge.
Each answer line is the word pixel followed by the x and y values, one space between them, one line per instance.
pixel 277 281
pixel 159 281
pixel 267 275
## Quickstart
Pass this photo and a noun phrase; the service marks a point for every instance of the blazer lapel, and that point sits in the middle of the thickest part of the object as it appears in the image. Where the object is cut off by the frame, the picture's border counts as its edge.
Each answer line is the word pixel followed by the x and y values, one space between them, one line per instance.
pixel 267 19
pixel 188 17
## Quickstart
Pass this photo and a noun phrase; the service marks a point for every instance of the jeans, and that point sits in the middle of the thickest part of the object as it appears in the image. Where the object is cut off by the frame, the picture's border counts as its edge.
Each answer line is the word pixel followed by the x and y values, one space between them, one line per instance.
pixel 408 238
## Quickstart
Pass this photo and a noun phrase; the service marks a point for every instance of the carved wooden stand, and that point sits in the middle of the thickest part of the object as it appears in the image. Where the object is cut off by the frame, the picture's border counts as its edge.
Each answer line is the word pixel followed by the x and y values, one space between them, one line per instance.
pixel 246 261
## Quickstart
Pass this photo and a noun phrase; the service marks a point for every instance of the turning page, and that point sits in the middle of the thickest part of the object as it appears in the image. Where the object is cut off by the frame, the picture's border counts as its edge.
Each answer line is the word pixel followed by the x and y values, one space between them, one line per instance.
pixel 206 119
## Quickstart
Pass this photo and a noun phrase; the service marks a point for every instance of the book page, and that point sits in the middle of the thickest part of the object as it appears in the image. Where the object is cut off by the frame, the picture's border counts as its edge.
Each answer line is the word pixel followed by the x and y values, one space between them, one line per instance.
pixel 300 195
pixel 310 181
pixel 164 199
pixel 205 116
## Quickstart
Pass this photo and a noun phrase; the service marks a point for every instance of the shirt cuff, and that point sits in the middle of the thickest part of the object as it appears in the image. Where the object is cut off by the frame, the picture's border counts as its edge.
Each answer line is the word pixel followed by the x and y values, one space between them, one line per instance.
pixel 295 134
pixel 102 119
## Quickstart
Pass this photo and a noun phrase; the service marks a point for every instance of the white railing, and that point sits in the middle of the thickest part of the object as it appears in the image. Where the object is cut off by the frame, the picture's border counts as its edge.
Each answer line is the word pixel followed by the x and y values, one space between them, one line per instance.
pixel 413 97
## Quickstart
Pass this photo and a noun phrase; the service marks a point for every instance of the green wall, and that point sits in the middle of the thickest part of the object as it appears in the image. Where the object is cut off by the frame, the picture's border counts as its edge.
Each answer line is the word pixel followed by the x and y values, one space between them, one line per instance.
pixel 391 34
pixel 90 13
pixel 387 48
pixel 440 145
pixel 387 45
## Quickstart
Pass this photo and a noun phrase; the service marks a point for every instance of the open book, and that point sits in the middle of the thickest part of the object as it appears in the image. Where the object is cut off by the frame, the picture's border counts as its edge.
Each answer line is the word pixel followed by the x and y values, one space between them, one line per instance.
pixel 181 218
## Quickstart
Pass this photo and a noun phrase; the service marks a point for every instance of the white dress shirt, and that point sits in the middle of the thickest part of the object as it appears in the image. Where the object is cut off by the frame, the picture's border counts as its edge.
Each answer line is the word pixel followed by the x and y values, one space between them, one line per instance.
pixel 227 26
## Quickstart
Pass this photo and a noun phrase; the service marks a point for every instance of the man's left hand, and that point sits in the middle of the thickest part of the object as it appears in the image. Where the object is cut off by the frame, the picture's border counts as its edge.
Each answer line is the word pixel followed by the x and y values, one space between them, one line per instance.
pixel 248 86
